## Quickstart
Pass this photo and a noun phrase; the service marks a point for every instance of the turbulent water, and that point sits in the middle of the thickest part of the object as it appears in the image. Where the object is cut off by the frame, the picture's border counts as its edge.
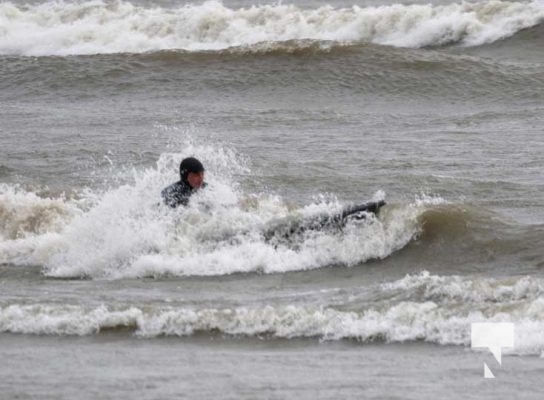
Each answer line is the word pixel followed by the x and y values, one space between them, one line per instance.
pixel 122 27
pixel 296 109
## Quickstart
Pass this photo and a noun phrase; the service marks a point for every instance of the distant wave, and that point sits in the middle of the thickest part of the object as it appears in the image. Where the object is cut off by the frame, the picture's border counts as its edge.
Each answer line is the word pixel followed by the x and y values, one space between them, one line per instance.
pixel 430 308
pixel 97 27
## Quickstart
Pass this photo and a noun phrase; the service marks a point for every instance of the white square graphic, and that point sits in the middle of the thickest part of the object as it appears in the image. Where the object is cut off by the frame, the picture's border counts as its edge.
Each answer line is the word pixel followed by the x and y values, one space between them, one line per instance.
pixel 494 336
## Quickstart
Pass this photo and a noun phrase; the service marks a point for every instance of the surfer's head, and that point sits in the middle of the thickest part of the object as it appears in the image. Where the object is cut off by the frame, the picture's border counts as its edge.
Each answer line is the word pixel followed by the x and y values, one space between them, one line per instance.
pixel 191 172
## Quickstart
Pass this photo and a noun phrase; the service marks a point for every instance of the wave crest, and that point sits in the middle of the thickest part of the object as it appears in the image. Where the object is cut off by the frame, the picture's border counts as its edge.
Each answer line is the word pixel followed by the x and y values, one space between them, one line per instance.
pixel 96 27
pixel 432 318
pixel 126 232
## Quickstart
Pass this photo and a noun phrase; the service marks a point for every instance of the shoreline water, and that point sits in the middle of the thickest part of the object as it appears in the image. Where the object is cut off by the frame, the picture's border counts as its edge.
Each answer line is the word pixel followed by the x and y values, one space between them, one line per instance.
pixel 116 366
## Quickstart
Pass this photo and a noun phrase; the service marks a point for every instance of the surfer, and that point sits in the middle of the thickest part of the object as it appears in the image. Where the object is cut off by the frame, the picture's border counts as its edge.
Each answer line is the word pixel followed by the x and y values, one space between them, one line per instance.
pixel 191 172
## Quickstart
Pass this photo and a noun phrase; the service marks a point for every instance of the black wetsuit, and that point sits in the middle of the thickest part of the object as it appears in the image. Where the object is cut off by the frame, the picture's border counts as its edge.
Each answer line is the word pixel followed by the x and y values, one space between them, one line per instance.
pixel 177 194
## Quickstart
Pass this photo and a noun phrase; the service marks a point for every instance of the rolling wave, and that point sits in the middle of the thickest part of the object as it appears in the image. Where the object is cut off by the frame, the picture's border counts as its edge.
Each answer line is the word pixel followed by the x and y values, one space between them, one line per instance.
pixel 431 308
pixel 124 232
pixel 97 27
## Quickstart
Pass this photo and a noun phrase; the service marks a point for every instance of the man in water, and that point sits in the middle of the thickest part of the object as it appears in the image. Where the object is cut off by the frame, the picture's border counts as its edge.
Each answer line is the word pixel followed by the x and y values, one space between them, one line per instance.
pixel 191 172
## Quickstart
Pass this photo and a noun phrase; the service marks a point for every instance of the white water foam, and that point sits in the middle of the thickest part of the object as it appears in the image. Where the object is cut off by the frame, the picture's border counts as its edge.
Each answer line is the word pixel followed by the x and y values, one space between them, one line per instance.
pixel 127 232
pixel 431 321
pixel 24 213
pixel 92 27
pixel 456 289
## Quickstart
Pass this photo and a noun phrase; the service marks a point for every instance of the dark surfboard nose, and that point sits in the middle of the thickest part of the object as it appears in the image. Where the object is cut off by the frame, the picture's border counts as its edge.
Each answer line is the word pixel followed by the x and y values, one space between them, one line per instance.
pixel 288 231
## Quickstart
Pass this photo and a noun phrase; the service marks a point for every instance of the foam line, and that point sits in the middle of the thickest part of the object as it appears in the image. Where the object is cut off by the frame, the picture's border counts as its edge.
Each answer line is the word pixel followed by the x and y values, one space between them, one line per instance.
pixel 92 27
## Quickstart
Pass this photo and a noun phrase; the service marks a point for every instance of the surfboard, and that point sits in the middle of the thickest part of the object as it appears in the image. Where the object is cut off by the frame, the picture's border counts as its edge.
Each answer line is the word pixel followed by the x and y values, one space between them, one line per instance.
pixel 286 231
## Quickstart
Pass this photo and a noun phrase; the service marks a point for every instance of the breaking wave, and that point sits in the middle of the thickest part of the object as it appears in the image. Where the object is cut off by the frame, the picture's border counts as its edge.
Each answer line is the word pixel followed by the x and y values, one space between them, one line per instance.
pixel 98 27
pixel 430 308
pixel 126 232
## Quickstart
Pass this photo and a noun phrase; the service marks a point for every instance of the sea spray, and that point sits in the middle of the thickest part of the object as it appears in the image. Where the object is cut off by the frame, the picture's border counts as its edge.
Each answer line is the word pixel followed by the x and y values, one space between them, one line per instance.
pixel 126 232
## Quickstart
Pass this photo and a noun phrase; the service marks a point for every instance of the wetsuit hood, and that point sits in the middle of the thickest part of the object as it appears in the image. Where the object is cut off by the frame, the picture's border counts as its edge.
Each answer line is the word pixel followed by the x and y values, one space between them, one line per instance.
pixel 189 164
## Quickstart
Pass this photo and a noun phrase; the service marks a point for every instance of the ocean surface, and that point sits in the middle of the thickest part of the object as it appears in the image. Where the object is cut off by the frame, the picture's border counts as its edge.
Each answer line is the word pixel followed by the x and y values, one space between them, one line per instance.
pixel 296 109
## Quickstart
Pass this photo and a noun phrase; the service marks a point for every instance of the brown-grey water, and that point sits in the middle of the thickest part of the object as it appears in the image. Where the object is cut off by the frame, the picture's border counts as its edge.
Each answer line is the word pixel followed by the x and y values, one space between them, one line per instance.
pixel 295 109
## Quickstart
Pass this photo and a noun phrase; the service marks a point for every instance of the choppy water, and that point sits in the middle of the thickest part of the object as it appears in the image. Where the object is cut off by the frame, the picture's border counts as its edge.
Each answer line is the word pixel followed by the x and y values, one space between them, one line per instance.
pixel 295 109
